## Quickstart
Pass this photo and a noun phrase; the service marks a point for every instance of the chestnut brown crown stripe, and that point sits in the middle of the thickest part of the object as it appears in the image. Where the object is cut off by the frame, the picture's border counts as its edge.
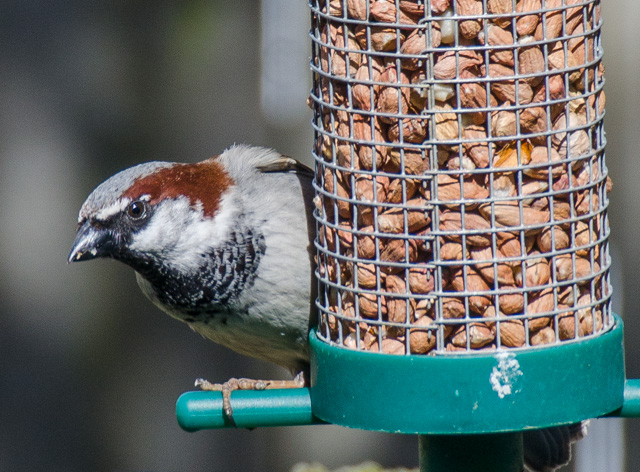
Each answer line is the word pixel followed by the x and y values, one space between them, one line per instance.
pixel 204 182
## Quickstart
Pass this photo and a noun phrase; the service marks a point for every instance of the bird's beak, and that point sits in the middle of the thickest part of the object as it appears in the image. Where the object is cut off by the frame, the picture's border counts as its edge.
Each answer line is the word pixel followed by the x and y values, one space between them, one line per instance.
pixel 90 243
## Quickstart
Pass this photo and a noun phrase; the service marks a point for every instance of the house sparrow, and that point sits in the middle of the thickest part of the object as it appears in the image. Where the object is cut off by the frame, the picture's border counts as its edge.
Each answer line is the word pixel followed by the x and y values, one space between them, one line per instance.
pixel 226 246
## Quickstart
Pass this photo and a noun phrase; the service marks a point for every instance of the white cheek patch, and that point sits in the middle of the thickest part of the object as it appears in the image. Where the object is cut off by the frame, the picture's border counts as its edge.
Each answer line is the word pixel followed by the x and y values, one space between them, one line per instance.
pixel 226 218
pixel 178 233
pixel 164 228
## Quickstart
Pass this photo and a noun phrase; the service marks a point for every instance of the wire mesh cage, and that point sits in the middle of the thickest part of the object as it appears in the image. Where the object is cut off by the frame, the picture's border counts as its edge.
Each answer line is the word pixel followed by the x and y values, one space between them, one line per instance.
pixel 460 171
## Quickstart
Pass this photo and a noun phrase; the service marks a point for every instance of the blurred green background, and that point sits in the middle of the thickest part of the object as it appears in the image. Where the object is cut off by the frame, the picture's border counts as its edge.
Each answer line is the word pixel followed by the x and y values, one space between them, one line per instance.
pixel 89 369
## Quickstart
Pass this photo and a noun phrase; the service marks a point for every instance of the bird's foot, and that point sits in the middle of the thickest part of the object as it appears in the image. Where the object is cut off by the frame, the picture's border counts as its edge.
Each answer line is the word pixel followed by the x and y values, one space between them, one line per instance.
pixel 246 384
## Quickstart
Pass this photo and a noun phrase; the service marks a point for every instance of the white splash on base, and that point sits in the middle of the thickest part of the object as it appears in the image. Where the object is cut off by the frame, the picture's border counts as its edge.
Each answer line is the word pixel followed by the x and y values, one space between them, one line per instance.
pixel 504 375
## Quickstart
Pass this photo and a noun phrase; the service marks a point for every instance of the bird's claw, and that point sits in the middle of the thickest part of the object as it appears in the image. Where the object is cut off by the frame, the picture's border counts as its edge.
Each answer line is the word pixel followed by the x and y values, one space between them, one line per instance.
pixel 226 389
pixel 245 384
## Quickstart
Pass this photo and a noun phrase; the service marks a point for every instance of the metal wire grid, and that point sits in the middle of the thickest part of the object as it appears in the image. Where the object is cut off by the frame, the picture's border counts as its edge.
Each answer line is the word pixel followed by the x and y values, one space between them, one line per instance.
pixel 396 181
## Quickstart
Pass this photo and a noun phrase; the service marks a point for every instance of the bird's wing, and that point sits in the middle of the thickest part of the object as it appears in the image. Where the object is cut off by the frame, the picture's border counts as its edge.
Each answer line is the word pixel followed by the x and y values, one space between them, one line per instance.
pixel 285 164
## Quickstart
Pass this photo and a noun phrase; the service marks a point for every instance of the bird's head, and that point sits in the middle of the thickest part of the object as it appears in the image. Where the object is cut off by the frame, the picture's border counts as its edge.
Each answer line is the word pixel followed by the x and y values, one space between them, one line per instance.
pixel 158 212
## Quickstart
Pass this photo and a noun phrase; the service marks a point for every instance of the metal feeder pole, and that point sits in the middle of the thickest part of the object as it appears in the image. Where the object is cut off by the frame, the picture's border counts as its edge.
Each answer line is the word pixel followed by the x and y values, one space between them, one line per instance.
pixel 463 453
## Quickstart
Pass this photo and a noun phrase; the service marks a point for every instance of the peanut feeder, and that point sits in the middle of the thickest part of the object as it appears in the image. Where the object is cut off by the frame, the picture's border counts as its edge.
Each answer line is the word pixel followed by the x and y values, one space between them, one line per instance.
pixel 461 175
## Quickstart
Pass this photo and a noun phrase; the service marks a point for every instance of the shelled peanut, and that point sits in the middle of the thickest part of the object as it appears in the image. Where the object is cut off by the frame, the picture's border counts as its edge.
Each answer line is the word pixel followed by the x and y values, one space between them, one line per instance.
pixel 464 173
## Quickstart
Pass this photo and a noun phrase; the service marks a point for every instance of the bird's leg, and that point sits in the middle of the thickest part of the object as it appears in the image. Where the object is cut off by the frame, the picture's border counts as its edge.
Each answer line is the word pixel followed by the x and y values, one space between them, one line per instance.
pixel 247 384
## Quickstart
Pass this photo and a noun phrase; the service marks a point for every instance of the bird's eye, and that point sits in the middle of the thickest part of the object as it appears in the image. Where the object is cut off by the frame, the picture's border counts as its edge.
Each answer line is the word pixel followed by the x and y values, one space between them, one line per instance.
pixel 136 210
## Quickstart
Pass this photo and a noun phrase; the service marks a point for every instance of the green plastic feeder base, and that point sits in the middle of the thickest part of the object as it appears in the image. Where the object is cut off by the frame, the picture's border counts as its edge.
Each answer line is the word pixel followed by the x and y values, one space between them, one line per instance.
pixel 472 394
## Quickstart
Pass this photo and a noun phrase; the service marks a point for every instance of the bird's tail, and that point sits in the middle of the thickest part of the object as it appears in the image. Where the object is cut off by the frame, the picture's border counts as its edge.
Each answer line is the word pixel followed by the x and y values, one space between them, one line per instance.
pixel 547 449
